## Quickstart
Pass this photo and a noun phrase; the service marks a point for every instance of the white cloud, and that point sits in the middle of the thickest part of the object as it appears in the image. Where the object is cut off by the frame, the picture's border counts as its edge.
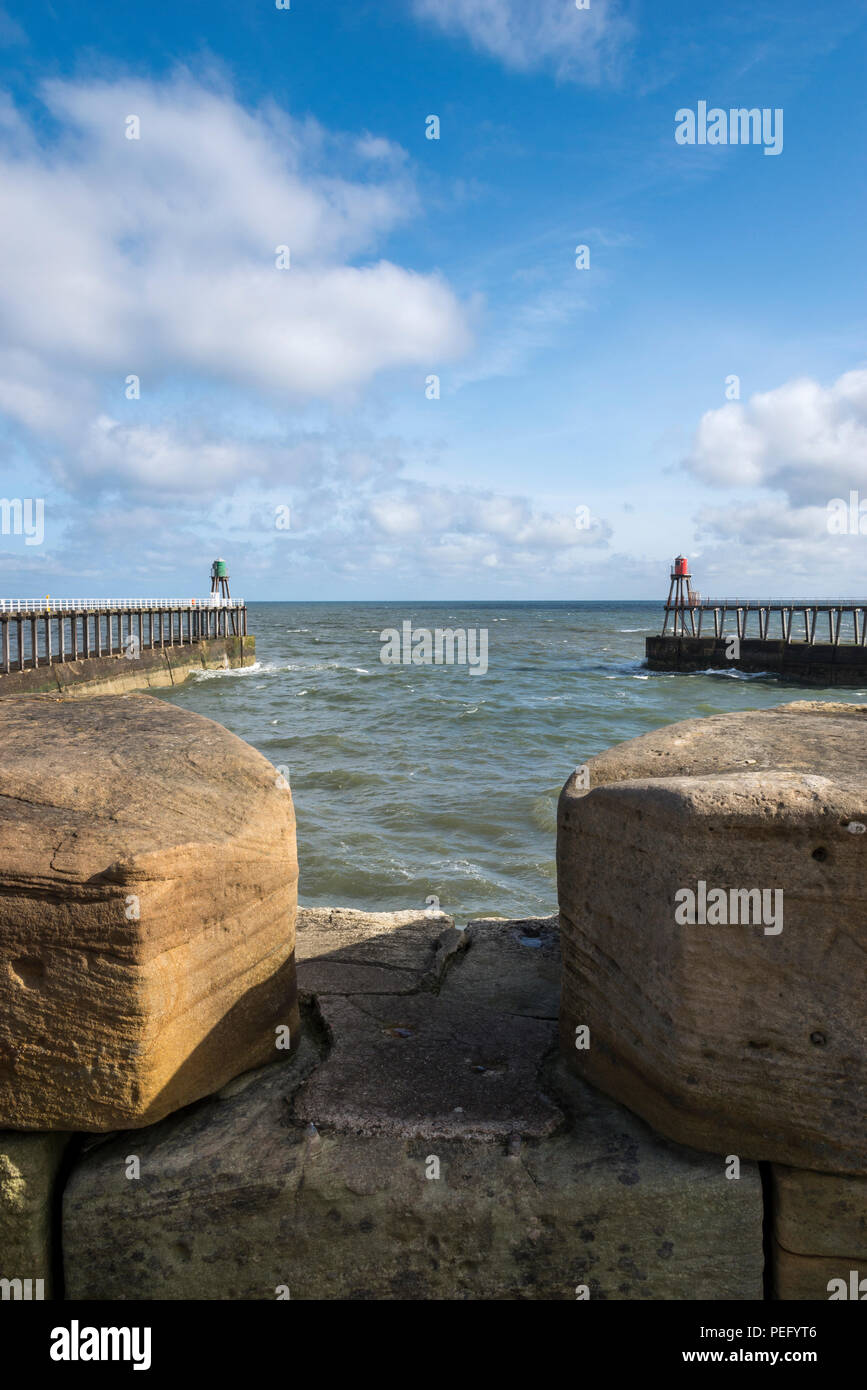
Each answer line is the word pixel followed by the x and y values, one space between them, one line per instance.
pixel 449 532
pixel 156 257
pixel 395 516
pixel 804 439
pixel 376 147
pixel 757 523
pixel 526 35
pixel 156 456
pixel 790 452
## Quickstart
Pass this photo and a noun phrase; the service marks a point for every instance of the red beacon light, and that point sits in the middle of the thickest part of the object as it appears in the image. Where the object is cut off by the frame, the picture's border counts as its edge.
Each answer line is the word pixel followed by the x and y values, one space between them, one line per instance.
pixel 681 600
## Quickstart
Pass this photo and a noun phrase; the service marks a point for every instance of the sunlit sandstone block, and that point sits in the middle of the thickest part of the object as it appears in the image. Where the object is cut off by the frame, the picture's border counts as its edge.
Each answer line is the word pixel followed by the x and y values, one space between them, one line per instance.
pixel 742 1032
pixel 147 909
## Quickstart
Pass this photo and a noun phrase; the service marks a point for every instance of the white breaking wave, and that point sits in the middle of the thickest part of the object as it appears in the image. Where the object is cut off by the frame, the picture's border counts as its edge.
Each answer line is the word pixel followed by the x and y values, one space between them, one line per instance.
pixel 735 675
pixel 256 669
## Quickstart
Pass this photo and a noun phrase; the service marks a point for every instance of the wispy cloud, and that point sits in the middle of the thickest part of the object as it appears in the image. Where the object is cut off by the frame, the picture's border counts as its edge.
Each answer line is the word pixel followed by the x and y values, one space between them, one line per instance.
pixel 577 45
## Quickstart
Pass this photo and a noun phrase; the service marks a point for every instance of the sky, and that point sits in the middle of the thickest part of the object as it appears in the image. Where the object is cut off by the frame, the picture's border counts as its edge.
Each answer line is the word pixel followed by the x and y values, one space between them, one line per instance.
pixel 301 287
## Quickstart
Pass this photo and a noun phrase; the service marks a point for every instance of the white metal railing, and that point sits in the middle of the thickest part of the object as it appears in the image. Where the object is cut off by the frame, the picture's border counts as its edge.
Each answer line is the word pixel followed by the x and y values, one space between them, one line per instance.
pixel 112 605
pixel 823 604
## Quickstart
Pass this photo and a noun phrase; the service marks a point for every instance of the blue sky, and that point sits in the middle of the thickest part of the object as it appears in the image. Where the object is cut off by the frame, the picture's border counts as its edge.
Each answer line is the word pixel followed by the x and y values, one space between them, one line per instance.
pixel 306 387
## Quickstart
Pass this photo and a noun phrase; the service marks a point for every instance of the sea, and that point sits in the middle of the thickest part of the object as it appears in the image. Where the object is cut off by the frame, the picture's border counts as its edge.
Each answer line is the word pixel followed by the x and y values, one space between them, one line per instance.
pixel 420 782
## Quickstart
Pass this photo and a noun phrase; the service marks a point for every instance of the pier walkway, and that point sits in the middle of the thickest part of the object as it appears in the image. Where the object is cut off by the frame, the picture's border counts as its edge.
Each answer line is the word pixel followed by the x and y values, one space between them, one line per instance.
pixel 794 619
pixel 40 632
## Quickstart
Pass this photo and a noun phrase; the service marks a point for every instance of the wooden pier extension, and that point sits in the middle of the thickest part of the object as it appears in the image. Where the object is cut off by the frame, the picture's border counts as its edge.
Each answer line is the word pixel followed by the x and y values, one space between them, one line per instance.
pixel 814 641
pixel 80 641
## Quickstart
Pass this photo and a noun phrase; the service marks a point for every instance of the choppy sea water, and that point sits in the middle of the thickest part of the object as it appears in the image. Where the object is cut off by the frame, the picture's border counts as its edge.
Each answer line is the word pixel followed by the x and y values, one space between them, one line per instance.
pixel 419 781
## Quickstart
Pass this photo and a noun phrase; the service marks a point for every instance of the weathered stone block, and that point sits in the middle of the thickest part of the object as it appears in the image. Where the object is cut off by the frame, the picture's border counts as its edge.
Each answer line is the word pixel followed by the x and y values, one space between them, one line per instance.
pixel 736 1038
pixel 28 1171
pixel 431 1065
pixel 147 907
pixel 497 973
pixel 294 1183
pixel 810 1278
pixel 345 951
pixel 820 1213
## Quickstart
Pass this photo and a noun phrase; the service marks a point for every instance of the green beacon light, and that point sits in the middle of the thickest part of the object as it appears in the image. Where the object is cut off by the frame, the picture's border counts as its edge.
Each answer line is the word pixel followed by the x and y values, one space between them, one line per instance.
pixel 219 582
